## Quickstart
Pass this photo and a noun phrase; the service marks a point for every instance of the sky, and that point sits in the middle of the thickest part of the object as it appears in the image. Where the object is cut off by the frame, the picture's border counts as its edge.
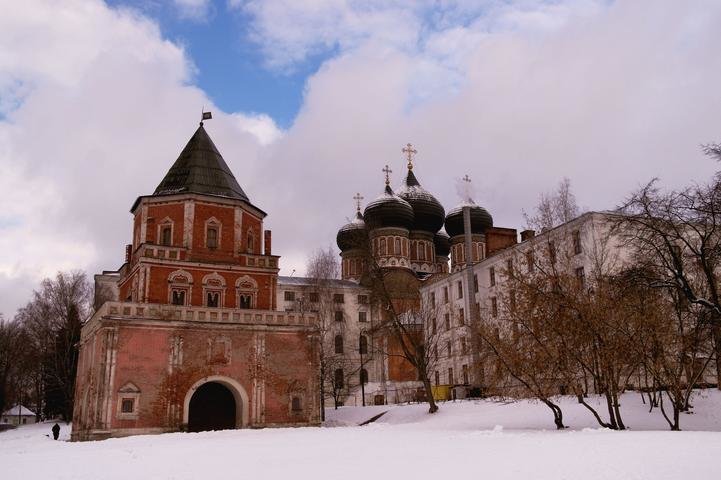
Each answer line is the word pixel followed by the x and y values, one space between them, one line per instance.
pixel 311 98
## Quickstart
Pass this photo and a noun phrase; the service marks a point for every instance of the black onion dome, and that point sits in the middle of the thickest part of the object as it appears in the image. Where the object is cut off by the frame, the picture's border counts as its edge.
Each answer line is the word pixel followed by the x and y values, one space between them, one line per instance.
pixel 442 242
pixel 351 235
pixel 427 210
pixel 481 220
pixel 388 210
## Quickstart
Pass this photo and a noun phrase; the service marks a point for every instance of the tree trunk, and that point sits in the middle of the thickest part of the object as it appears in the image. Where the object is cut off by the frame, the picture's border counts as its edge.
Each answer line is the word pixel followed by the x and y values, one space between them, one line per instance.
pixel 432 407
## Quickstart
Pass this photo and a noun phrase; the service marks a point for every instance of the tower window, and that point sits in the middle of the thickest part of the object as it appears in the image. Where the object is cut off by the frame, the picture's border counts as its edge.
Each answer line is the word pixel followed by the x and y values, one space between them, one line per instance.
pixel 166 235
pixel 212 299
pixel 212 237
pixel 128 405
pixel 178 297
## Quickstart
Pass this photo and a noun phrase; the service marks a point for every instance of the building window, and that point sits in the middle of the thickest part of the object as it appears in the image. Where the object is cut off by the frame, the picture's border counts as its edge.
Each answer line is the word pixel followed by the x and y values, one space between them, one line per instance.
pixel 459 285
pixel 211 237
pixel 576 235
pixel 166 235
pixel 363 345
pixel 581 276
pixel 363 376
pixel 362 299
pixel 438 377
pixel 447 318
pixel 128 405
pixel 362 316
pixel 461 317
pixel 492 276
pixel 289 296
pixel 296 405
pixel 246 301
pixel 463 345
pixel 494 307
pixel 445 294
pixel 177 297
pixel 338 298
pixel 339 315
pixel 338 344
pixel 314 297
pixel 450 376
pixel 212 299
pixel 465 374
pixel 338 378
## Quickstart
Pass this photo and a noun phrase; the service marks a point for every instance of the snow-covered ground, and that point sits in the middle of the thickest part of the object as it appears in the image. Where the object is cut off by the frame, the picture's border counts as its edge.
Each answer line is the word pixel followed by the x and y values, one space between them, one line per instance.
pixel 478 439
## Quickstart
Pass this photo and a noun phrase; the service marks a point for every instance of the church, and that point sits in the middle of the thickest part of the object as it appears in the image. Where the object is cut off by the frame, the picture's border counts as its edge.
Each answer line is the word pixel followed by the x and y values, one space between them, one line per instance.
pixel 187 335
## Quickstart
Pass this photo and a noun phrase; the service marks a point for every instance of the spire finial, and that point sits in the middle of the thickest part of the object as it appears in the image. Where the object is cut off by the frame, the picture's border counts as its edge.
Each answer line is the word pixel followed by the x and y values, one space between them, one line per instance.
pixel 358 198
pixel 409 151
pixel 388 172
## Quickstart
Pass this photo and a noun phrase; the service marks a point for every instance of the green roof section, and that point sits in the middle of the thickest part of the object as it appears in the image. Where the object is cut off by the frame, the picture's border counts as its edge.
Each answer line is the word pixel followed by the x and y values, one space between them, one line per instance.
pixel 200 168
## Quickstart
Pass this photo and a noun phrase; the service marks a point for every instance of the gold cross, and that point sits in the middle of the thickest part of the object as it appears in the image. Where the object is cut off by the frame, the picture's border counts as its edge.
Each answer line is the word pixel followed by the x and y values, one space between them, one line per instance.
pixel 409 151
pixel 388 172
pixel 358 197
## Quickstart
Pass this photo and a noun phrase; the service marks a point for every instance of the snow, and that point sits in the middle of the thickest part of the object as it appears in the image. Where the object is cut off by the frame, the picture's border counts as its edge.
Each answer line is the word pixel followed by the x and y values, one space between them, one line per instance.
pixel 23 411
pixel 464 439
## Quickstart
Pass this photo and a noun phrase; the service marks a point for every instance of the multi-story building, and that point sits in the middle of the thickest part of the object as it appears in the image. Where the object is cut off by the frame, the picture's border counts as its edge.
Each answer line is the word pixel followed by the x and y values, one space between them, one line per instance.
pixel 187 334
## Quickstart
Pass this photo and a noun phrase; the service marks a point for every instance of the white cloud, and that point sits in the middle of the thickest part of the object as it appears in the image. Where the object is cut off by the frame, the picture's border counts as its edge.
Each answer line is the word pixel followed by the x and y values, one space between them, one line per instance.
pixel 517 95
pixel 106 110
pixel 198 10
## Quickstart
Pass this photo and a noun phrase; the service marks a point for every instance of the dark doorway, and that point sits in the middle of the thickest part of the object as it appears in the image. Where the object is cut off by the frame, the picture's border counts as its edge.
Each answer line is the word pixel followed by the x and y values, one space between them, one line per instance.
pixel 212 407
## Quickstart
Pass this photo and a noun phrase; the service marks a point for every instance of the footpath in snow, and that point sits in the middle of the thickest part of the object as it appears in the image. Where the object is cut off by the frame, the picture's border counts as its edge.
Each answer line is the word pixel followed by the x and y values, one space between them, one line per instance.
pixel 476 439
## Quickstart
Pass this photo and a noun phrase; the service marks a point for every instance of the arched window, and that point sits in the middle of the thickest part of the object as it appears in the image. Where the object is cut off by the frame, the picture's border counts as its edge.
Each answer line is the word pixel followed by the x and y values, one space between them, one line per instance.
pixel 338 378
pixel 363 376
pixel 211 236
pixel 338 344
pixel 363 345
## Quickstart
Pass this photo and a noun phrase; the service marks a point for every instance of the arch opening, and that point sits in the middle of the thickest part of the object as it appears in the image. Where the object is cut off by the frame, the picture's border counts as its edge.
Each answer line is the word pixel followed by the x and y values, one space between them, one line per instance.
pixel 212 407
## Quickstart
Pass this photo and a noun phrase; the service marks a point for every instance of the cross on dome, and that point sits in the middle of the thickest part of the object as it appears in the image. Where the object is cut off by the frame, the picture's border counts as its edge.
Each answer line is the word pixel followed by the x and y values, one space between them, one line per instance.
pixel 409 151
pixel 358 198
pixel 388 172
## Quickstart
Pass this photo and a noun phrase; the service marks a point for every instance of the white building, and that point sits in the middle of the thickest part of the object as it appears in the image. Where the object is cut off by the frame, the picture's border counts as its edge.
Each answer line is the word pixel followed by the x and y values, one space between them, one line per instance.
pixel 19 415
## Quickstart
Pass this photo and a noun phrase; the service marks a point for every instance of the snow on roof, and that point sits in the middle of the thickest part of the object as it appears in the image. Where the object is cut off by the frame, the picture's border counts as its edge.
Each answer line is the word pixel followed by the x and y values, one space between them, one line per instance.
pixel 19 410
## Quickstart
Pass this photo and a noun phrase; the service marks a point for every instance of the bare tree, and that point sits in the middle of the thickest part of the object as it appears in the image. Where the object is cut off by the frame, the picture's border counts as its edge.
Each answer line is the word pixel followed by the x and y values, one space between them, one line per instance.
pixel 554 208
pixel 676 237
pixel 322 268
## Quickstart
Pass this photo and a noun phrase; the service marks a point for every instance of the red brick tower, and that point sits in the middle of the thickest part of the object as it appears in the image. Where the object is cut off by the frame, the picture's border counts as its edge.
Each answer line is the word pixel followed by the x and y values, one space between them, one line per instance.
pixel 187 336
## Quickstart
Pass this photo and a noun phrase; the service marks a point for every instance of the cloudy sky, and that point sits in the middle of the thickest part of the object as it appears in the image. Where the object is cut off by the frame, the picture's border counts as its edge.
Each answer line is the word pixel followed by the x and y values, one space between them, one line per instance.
pixel 311 98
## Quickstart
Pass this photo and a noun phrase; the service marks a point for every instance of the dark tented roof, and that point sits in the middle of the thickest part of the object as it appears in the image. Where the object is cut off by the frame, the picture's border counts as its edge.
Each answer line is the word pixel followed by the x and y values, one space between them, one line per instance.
pixel 200 168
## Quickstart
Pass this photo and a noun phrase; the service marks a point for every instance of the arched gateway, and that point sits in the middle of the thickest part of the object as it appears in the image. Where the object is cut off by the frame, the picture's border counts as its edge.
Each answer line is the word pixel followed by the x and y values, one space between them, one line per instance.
pixel 215 403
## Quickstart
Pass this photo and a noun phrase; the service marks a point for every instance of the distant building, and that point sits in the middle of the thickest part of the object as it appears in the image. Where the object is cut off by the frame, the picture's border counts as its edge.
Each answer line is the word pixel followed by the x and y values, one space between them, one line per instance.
pixel 19 415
